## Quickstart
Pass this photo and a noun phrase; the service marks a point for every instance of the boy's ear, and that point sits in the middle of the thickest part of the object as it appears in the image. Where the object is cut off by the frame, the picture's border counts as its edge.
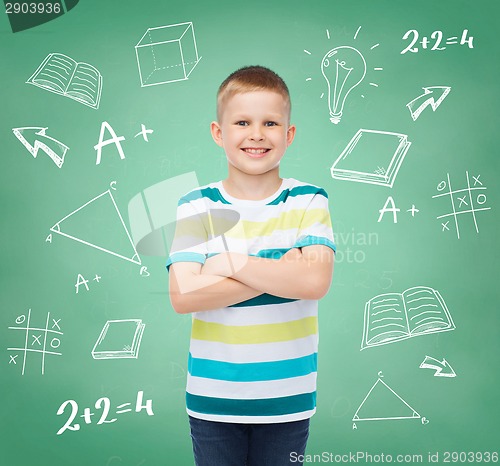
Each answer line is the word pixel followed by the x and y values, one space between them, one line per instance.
pixel 290 134
pixel 216 131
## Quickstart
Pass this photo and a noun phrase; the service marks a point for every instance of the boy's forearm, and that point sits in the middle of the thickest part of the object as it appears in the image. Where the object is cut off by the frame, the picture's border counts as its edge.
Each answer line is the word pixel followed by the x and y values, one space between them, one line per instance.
pixel 202 292
pixel 294 275
pixel 293 279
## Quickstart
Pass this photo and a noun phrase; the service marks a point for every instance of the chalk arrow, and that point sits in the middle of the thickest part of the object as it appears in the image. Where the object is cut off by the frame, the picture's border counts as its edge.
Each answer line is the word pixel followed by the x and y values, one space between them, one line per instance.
pixel 442 368
pixel 432 96
pixel 35 138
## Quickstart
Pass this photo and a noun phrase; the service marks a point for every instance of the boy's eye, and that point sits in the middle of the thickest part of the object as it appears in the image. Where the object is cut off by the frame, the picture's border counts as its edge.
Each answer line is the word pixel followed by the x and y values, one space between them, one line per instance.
pixel 242 123
pixel 270 123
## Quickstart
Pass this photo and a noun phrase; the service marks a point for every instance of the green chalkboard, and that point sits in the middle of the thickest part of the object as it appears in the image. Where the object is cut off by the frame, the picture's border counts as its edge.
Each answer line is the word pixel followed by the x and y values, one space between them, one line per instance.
pixel 105 122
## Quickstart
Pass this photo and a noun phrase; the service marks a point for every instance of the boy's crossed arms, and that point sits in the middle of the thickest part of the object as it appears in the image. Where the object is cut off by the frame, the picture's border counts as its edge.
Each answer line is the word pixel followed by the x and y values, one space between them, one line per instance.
pixel 229 278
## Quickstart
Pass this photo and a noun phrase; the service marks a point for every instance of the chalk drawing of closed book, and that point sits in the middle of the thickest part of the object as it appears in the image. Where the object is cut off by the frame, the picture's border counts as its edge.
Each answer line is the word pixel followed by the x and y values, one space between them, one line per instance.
pixel 372 157
pixel 119 339
pixel 62 75
pixel 391 317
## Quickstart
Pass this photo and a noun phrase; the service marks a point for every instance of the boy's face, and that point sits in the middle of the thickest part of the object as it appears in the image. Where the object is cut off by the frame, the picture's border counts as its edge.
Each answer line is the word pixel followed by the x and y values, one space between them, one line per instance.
pixel 254 131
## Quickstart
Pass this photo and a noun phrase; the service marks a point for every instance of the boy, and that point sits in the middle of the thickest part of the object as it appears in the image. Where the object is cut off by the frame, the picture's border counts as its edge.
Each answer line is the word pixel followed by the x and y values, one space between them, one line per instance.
pixel 251 257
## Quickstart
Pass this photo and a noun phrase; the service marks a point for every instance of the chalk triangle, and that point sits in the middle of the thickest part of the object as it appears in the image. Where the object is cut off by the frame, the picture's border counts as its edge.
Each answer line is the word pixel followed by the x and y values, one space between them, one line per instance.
pixel 383 403
pixel 99 224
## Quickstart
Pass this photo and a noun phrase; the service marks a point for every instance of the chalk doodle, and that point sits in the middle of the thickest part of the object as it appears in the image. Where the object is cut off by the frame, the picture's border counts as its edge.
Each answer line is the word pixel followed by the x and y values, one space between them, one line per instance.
pixel 437 37
pixel 167 54
pixel 144 131
pixel 103 404
pixel 343 68
pixel 82 281
pixel 432 96
pixel 390 206
pixel 441 368
pixel 37 341
pixel 90 225
pixel 35 138
pixel 413 210
pixel 62 75
pixel 372 157
pixel 119 339
pixel 116 140
pixel 382 403
pixel 392 317
pixel 469 200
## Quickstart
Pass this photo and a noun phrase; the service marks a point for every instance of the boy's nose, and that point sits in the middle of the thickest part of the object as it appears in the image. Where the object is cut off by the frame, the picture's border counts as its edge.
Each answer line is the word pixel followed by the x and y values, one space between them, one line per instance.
pixel 257 134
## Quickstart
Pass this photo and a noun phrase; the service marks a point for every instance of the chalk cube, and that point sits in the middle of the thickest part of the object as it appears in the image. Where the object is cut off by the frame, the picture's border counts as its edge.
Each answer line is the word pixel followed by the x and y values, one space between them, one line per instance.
pixel 167 54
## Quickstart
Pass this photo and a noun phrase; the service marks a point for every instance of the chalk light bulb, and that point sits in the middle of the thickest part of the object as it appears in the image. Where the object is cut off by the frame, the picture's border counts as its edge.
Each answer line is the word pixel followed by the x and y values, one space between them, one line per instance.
pixel 343 68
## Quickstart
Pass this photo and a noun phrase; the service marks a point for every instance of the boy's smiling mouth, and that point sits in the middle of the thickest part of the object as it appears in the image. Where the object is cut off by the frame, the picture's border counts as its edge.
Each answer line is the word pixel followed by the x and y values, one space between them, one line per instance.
pixel 255 152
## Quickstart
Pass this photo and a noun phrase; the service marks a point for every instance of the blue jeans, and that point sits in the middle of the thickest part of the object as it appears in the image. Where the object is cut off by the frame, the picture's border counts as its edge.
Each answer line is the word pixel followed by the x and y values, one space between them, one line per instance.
pixel 228 444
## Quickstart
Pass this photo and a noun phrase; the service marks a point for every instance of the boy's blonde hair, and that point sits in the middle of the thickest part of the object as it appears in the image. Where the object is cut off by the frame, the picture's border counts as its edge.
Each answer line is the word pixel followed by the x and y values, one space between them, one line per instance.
pixel 251 79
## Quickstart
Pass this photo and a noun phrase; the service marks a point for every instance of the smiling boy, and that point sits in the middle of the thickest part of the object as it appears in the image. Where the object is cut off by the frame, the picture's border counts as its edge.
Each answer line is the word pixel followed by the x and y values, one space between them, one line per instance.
pixel 252 275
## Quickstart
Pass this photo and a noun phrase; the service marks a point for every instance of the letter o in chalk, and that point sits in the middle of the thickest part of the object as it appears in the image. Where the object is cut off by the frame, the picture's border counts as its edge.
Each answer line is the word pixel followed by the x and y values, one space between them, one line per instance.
pixel 55 343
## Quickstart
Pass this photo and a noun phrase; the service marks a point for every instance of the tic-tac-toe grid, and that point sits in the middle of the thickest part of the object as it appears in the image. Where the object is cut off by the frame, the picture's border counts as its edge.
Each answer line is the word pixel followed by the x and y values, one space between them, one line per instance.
pixel 37 340
pixel 469 200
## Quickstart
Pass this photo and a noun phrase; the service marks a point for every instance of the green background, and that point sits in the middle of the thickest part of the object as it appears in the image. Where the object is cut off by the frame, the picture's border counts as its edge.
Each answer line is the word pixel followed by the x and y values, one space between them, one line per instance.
pixel 373 257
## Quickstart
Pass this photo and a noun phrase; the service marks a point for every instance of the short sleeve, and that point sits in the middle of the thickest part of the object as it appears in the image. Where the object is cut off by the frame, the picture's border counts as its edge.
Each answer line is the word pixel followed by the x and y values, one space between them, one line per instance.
pixel 316 224
pixel 189 243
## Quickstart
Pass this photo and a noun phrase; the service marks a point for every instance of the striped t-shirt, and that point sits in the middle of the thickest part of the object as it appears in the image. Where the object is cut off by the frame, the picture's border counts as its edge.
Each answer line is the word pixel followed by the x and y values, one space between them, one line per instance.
pixel 255 361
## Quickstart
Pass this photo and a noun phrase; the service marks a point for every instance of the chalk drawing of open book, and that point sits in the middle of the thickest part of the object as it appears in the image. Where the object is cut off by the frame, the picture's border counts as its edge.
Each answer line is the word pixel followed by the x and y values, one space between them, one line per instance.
pixel 62 75
pixel 391 317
